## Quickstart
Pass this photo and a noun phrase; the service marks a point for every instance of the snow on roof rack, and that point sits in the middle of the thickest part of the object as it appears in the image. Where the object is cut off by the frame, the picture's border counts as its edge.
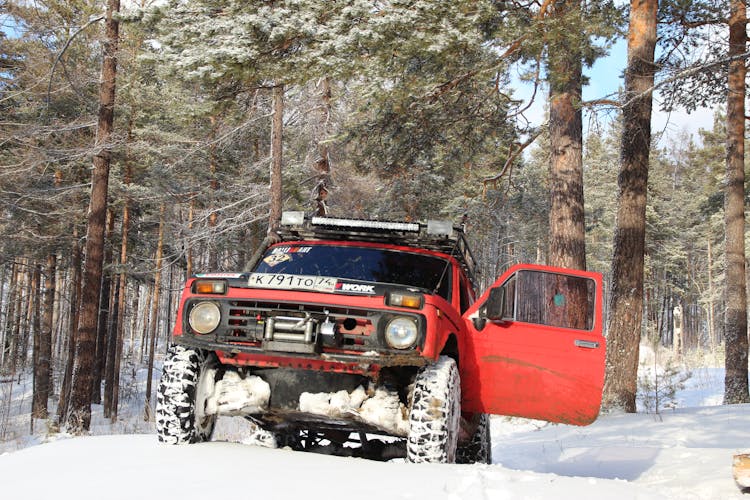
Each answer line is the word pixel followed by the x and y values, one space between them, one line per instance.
pixel 440 236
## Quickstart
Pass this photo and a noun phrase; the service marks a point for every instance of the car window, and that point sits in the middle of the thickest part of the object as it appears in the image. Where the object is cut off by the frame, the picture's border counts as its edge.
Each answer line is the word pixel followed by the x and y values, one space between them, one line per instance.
pixel 360 263
pixel 550 299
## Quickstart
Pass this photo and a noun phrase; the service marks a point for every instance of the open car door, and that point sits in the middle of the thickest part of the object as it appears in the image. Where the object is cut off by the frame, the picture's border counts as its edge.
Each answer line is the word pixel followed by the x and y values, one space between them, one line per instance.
pixel 535 347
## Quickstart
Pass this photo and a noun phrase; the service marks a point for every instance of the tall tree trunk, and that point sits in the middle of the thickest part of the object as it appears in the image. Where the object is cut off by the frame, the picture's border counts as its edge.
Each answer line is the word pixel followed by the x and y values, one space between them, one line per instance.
pixel 678 330
pixel 567 247
pixel 134 313
pixel 119 334
pixel 111 344
pixel 626 298
pixel 8 330
pixel 710 305
pixel 102 328
pixel 188 244
pixel 277 130
pixel 31 317
pixel 213 218
pixel 15 326
pixel 154 315
pixel 79 417
pixel 43 347
pixel 144 317
pixel 58 315
pixel 73 313
pixel 40 394
pixel 3 312
pixel 113 375
pixel 323 160
pixel 735 330
pixel 167 316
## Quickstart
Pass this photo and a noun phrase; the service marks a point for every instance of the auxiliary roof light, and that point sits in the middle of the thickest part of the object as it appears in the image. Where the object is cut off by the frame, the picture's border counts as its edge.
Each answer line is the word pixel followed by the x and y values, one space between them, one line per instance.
pixel 411 227
pixel 292 218
pixel 440 228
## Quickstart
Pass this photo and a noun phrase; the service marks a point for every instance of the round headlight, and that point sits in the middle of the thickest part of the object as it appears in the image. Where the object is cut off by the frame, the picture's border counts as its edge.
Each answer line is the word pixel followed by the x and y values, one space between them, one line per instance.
pixel 204 317
pixel 401 332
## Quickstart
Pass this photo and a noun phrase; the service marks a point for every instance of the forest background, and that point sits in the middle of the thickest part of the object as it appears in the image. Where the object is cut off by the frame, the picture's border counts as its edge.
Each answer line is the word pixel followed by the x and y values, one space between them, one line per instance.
pixel 387 109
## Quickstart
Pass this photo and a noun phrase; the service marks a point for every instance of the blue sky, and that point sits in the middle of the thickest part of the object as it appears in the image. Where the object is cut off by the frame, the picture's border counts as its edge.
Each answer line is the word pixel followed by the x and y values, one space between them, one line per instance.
pixel 605 79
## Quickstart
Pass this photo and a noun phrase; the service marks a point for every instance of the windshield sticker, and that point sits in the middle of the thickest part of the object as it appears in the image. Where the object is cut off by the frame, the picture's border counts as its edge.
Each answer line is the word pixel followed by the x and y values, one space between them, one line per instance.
pixel 288 250
pixel 276 259
pixel 355 288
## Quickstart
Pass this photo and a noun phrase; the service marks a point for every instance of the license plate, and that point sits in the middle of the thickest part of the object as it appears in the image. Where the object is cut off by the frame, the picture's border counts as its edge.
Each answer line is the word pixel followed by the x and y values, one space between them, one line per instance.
pixel 292 282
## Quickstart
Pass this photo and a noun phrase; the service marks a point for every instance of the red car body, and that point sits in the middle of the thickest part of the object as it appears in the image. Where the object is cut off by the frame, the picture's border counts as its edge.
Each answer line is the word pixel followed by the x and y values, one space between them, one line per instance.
pixel 533 348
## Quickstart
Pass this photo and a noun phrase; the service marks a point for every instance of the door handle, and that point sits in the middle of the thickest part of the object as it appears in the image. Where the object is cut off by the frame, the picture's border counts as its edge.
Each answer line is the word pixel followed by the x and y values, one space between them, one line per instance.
pixel 588 344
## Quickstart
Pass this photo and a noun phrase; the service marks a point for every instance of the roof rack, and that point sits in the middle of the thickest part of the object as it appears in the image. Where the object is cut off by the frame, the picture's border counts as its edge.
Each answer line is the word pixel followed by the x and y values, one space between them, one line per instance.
pixel 436 235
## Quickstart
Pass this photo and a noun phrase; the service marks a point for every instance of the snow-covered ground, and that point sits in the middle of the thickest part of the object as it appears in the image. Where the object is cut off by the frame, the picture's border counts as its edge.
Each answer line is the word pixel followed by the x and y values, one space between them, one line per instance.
pixel 682 453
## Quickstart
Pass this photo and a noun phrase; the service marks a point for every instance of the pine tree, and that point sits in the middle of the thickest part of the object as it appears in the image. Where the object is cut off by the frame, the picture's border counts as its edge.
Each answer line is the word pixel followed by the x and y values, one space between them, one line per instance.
pixel 567 235
pixel 736 363
pixel 626 299
pixel 79 415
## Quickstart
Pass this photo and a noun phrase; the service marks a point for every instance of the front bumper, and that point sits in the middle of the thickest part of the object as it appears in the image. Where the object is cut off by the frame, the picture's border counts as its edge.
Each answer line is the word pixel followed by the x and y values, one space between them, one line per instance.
pixel 367 363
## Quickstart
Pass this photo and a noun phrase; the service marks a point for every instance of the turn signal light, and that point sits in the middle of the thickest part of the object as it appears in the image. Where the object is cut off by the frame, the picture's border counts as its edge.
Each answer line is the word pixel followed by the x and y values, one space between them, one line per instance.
pixel 401 299
pixel 214 287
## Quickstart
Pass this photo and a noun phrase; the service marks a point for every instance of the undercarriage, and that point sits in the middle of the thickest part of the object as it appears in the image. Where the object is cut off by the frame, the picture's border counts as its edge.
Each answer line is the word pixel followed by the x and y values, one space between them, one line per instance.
pixel 340 437
pixel 405 413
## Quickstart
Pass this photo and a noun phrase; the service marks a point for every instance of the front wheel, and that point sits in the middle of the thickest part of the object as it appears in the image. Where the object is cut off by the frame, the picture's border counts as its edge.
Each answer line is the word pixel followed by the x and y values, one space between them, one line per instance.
pixel 186 382
pixel 478 450
pixel 435 413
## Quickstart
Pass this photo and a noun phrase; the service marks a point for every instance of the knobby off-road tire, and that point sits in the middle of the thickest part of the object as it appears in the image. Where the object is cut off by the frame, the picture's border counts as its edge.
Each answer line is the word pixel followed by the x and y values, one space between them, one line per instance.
pixel 478 450
pixel 181 397
pixel 435 413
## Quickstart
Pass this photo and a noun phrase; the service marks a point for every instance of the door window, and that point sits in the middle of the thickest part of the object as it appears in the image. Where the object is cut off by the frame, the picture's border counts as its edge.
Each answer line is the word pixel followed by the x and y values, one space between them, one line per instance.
pixel 551 299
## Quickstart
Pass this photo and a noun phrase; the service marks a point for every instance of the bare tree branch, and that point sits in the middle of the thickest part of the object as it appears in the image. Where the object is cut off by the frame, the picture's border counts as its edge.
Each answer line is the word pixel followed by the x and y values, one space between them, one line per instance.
pixel 513 154
pixel 65 48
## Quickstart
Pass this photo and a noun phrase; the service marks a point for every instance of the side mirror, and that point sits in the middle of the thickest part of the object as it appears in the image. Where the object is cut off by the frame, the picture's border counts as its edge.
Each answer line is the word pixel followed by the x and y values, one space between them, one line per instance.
pixel 493 309
pixel 495 305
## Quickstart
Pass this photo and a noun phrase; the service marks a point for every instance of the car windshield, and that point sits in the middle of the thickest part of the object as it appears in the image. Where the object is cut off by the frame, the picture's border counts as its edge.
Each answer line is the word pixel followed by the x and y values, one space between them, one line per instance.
pixel 359 263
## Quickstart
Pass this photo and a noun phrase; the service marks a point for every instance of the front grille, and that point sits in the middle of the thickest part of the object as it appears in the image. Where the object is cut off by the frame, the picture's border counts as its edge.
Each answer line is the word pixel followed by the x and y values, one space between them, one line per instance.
pixel 280 325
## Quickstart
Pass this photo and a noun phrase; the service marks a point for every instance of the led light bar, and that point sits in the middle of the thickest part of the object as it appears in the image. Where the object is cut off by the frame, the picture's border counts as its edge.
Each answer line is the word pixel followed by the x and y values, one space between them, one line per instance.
pixel 410 227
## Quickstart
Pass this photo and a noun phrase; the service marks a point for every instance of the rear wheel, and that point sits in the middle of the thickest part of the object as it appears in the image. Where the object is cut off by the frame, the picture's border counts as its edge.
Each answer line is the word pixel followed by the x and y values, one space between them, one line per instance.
pixel 435 413
pixel 478 450
pixel 187 381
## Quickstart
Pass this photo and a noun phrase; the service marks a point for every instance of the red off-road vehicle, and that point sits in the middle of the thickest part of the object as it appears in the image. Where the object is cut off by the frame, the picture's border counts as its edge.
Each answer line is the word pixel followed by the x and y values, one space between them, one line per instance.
pixel 364 337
